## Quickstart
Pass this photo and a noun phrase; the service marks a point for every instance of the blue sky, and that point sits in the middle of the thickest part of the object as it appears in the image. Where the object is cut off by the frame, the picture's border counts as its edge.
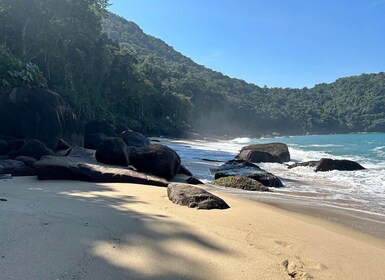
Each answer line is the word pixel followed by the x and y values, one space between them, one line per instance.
pixel 278 43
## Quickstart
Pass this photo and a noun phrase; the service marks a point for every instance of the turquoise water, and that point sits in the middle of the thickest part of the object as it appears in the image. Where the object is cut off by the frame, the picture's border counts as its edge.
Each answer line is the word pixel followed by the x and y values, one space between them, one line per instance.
pixel 367 148
pixel 362 190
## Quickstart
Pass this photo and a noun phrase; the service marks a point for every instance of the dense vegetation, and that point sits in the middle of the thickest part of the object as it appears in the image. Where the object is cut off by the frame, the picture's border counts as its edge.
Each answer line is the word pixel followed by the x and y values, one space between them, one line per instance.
pixel 107 68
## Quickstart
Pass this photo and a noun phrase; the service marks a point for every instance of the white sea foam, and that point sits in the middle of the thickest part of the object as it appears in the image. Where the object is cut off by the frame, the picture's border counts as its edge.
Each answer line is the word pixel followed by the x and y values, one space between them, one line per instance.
pixel 363 190
pixel 241 140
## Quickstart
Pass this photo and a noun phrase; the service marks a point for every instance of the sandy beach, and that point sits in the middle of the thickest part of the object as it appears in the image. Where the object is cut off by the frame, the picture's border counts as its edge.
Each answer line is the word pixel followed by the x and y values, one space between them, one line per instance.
pixel 79 230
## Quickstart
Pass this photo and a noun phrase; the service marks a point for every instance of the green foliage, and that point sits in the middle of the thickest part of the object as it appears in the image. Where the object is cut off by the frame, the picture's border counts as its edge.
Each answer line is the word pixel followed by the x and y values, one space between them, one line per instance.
pixel 107 68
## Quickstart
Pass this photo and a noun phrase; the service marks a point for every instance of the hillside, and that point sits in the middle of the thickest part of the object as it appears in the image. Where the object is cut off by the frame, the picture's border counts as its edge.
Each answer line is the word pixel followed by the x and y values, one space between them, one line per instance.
pixel 107 68
pixel 348 105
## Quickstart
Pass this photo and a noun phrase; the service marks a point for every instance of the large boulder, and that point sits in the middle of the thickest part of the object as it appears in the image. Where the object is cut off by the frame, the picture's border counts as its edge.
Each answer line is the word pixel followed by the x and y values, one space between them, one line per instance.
pixel 247 169
pixel 113 151
pixel 39 114
pixel 156 159
pixel 77 168
pixel 241 182
pixel 92 141
pixel 15 168
pixel 35 149
pixel 193 197
pixel 100 127
pixel 270 152
pixel 134 139
pixel 4 148
pixel 328 164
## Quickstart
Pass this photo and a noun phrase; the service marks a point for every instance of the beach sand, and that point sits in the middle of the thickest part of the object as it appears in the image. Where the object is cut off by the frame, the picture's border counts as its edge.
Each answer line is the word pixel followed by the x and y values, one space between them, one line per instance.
pixel 79 230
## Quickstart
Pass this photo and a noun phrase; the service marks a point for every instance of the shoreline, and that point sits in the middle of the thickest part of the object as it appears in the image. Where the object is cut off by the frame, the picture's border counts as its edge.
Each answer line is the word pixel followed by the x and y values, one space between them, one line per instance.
pixel 368 223
pixel 80 230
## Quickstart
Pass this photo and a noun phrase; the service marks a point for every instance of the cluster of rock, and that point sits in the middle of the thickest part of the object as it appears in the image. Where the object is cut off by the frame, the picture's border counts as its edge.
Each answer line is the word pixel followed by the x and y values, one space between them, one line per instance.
pixel 328 164
pixel 243 173
pixel 41 136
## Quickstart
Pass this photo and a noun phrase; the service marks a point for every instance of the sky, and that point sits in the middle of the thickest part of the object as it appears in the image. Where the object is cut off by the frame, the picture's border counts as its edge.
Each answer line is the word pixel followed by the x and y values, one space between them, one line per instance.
pixel 277 43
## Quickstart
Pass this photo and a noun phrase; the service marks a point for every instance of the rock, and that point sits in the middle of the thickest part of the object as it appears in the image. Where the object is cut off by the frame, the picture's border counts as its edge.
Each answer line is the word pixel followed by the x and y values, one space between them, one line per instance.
pixel 104 127
pixel 83 154
pixel 257 156
pixel 156 159
pixel 15 168
pixel 74 168
pixel 312 163
pixel 194 181
pixel 16 144
pixel 241 182
pixel 185 171
pixel 62 145
pixel 248 169
pixel 271 152
pixel 92 141
pixel 327 164
pixel 113 151
pixel 134 139
pixel 4 148
pixel 28 161
pixel 35 148
pixel 193 197
pixel 39 114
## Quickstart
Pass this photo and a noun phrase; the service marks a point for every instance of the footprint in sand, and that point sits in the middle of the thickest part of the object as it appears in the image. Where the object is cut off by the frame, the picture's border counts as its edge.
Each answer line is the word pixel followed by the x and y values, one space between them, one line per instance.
pixel 298 269
pixel 284 243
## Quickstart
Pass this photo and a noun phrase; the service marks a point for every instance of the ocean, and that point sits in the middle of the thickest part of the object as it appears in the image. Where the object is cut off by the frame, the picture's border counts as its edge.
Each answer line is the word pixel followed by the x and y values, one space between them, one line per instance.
pixel 361 191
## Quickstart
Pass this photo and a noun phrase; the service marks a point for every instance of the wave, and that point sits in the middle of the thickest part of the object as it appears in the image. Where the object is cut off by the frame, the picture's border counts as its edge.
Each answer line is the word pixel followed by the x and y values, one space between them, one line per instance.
pixel 324 145
pixel 241 140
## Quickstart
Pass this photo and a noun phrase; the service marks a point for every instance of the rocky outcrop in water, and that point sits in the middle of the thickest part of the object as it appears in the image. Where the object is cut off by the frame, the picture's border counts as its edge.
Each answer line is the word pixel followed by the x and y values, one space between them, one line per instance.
pixel 271 152
pixel 250 170
pixel 240 182
pixel 328 164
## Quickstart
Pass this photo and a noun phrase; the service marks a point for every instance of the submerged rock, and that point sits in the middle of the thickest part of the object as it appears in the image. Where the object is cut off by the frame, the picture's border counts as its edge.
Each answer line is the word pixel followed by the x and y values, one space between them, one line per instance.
pixel 327 164
pixel 241 182
pixel 270 152
pixel 193 197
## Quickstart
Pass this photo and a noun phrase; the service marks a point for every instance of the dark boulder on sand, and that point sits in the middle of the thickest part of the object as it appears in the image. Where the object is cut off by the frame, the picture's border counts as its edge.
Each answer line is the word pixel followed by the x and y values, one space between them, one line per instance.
pixel 77 168
pixel 39 114
pixel 112 150
pixel 4 148
pixel 156 159
pixel 193 197
pixel 134 139
pixel 270 152
pixel 15 168
pixel 35 149
pixel 241 182
pixel 327 164
pixel 92 141
pixel 247 169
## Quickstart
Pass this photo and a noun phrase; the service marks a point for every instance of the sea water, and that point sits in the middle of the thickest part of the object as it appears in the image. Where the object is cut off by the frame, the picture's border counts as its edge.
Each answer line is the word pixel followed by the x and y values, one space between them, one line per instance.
pixel 362 190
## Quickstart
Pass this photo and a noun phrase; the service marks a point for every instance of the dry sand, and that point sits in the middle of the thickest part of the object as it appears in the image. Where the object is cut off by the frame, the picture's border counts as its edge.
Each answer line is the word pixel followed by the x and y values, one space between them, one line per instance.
pixel 78 230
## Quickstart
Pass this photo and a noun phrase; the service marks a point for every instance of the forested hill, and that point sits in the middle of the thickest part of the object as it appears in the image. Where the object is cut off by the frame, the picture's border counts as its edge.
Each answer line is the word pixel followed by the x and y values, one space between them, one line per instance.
pixel 348 105
pixel 107 68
